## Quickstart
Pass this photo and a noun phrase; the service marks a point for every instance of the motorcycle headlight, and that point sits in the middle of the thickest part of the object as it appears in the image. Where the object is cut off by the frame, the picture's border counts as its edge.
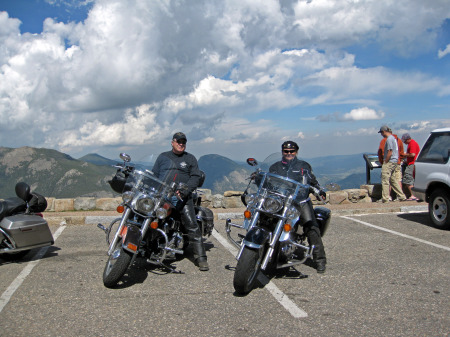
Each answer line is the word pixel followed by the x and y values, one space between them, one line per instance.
pixel 250 199
pixel 292 213
pixel 272 204
pixel 127 197
pixel 145 205
pixel 161 213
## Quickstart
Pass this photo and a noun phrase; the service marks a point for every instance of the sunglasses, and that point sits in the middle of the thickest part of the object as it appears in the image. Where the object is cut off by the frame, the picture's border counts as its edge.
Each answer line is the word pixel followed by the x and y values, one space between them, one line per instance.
pixel 181 142
pixel 289 151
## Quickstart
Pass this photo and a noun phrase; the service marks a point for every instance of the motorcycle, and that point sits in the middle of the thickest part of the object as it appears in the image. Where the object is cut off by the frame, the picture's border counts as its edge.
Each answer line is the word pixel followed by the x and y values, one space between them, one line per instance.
pixel 22 226
pixel 270 221
pixel 149 227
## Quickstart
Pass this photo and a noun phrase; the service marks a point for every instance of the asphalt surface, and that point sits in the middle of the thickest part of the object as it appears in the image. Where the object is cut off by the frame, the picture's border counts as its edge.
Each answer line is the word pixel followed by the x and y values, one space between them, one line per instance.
pixel 388 274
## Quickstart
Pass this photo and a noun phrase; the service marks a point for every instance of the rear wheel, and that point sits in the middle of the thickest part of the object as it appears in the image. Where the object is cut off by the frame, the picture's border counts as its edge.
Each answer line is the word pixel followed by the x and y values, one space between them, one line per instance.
pixel 116 266
pixel 247 270
pixel 438 208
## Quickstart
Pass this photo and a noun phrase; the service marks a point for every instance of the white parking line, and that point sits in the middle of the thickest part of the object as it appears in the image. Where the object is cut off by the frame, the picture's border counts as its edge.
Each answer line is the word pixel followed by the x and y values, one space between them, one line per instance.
pixel 6 296
pixel 281 297
pixel 397 233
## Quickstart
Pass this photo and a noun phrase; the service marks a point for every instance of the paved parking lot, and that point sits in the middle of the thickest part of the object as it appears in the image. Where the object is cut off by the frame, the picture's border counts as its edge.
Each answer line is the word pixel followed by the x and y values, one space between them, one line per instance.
pixel 388 274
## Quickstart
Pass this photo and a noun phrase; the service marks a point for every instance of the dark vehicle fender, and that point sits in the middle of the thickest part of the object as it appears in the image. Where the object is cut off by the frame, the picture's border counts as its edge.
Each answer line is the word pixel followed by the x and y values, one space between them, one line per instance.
pixel 256 237
pixel 133 237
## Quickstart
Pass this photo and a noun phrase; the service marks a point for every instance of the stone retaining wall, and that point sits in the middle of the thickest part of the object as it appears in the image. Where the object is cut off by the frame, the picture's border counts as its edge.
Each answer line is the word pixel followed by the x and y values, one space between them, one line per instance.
pixel 230 199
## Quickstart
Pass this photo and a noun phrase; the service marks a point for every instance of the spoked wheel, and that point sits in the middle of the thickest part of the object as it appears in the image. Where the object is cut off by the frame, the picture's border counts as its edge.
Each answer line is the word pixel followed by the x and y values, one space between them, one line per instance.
pixel 247 270
pixel 116 266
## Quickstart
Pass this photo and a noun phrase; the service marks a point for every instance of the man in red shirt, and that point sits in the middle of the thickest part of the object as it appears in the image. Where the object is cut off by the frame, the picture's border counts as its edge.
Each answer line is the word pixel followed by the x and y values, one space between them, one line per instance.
pixel 411 154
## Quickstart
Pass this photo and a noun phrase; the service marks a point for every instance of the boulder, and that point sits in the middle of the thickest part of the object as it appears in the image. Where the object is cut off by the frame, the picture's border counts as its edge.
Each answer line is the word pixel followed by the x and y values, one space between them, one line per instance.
pixel 50 204
pixel 356 194
pixel 84 204
pixel 63 205
pixel 228 194
pixel 232 202
pixel 108 204
pixel 337 197
pixel 217 201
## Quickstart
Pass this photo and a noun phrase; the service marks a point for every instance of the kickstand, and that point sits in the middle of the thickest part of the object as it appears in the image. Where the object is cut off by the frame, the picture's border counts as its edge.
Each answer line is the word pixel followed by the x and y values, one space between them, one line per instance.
pixel 172 270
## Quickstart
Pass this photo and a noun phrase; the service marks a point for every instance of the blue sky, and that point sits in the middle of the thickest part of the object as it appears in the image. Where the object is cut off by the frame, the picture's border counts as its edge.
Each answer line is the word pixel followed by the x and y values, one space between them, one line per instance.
pixel 239 77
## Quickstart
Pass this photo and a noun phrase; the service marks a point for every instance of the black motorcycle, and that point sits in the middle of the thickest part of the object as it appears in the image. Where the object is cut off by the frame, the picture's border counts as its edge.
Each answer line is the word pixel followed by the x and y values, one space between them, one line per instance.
pixel 271 219
pixel 150 227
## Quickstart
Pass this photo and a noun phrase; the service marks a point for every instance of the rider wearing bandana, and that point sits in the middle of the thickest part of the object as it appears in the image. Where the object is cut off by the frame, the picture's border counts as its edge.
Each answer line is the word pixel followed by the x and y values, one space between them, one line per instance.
pixel 293 168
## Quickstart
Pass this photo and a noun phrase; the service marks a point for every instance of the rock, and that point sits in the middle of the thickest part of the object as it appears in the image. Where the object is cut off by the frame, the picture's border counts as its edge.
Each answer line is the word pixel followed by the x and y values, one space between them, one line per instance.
pixel 108 204
pixel 84 204
pixel 63 205
pixel 232 202
pixel 374 190
pixel 338 197
pixel 356 194
pixel 205 194
pixel 50 204
pixel 217 201
pixel 228 194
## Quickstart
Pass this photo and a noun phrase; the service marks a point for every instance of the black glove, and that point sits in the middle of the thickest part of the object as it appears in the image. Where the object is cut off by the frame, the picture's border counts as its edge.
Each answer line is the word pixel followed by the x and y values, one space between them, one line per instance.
pixel 323 194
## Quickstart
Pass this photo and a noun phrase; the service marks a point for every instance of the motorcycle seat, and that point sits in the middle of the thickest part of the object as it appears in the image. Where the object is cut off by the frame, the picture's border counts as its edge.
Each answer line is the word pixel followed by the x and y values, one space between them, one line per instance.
pixel 12 206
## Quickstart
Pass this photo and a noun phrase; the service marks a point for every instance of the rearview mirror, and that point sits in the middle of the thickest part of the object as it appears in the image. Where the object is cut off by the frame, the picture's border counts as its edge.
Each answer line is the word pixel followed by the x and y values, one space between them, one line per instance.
pixel 125 157
pixel 252 161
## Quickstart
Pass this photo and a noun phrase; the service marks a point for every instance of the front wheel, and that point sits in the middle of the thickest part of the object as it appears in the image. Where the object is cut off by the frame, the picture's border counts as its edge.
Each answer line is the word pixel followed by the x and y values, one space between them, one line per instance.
pixel 116 266
pixel 438 208
pixel 247 270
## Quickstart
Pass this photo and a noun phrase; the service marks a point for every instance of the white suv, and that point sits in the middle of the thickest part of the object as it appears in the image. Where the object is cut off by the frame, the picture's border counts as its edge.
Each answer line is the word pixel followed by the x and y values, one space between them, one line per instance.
pixel 432 179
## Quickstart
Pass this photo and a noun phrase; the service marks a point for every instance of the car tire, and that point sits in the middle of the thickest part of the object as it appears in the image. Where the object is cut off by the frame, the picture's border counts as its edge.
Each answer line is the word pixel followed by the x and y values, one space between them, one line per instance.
pixel 439 207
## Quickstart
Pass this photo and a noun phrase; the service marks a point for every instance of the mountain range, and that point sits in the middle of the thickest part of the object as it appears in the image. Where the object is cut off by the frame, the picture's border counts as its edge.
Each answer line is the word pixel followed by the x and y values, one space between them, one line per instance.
pixel 55 174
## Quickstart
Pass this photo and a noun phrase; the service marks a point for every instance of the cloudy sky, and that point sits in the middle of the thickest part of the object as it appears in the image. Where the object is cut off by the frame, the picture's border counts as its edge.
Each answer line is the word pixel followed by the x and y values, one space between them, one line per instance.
pixel 237 76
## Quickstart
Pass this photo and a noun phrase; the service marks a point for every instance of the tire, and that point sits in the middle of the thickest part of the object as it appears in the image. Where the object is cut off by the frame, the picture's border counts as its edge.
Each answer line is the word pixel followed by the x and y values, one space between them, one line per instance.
pixel 247 270
pixel 116 266
pixel 438 208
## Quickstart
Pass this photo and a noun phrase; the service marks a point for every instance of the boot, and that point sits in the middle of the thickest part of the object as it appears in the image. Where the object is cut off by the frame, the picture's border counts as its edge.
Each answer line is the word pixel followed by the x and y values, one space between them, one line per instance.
pixel 319 256
pixel 202 264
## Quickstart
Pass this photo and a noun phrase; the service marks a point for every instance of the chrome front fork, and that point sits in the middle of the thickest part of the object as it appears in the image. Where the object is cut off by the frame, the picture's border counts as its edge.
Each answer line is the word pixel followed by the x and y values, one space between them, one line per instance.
pixel 119 230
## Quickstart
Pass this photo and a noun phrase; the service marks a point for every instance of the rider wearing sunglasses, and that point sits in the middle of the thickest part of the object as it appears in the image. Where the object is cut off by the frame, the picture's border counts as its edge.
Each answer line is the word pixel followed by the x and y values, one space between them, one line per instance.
pixel 299 170
pixel 183 167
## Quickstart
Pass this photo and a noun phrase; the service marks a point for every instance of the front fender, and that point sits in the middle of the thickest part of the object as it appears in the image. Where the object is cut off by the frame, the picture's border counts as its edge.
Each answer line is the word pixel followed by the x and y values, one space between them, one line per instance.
pixel 132 239
pixel 256 238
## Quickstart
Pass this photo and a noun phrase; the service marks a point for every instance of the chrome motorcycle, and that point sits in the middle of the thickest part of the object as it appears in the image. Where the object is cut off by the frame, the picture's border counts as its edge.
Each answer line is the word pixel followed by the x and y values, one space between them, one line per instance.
pixel 22 225
pixel 270 221
pixel 149 227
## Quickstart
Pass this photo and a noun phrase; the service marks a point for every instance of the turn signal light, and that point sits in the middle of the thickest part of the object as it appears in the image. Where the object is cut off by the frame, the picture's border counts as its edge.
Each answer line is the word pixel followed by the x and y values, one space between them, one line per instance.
pixel 154 225
pixel 120 209
pixel 132 247
pixel 287 227
pixel 247 214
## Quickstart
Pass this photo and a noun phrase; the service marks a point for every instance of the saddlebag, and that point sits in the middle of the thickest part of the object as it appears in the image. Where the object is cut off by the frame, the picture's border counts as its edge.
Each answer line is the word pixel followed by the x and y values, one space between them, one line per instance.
pixel 206 218
pixel 37 203
pixel 323 216
pixel 27 230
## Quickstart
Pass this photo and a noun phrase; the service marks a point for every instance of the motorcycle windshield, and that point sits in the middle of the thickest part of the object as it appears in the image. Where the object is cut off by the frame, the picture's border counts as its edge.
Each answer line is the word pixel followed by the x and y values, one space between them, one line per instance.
pixel 282 186
pixel 143 179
